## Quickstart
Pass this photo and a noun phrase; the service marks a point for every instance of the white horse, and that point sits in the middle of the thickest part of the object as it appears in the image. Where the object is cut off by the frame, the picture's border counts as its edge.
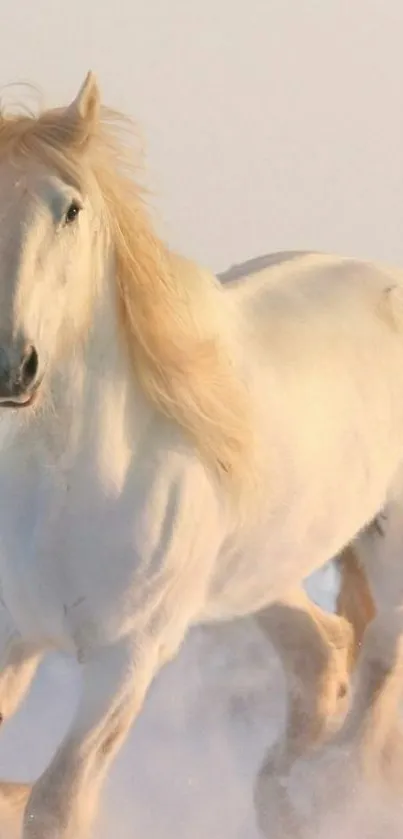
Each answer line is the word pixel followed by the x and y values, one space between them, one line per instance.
pixel 172 450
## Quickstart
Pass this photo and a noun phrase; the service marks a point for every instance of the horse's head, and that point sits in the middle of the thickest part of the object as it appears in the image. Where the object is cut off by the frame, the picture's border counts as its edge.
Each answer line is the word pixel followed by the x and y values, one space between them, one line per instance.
pixel 72 215
pixel 49 231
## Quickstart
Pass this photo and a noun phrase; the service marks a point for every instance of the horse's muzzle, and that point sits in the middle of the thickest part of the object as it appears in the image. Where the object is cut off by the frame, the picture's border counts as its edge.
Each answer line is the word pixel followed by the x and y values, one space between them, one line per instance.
pixel 18 377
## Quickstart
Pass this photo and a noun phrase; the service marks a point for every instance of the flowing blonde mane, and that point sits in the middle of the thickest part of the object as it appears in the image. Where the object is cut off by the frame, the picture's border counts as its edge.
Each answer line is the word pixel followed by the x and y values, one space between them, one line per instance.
pixel 167 316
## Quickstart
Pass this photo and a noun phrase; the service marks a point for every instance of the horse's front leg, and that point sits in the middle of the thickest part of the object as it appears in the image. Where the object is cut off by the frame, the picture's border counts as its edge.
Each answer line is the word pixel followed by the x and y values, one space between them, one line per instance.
pixel 314 648
pixel 20 665
pixel 19 660
pixel 115 680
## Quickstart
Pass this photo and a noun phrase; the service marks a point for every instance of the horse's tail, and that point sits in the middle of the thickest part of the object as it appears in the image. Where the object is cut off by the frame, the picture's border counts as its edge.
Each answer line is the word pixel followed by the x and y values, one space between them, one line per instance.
pixel 354 602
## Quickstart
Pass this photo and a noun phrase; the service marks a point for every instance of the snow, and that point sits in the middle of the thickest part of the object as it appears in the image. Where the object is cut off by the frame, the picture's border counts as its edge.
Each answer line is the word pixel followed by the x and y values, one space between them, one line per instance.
pixel 190 766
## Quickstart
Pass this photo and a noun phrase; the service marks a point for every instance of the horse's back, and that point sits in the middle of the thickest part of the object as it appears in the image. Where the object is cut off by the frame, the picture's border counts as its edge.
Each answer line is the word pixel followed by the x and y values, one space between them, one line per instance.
pixel 255 265
pixel 301 297
pixel 292 271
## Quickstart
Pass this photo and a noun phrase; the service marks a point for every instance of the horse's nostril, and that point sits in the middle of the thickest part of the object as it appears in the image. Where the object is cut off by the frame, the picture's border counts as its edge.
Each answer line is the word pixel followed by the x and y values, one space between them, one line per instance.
pixel 29 366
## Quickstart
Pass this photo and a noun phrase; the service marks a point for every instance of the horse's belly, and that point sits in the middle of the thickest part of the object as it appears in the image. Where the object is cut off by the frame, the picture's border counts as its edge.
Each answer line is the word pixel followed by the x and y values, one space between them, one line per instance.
pixel 249 579
pixel 294 543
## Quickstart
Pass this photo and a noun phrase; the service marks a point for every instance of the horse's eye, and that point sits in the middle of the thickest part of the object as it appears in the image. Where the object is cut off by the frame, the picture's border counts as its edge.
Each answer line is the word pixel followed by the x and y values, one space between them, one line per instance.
pixel 72 212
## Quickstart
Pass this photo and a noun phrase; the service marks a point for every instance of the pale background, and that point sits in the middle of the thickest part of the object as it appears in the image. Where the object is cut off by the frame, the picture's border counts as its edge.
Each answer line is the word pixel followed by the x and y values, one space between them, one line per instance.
pixel 270 124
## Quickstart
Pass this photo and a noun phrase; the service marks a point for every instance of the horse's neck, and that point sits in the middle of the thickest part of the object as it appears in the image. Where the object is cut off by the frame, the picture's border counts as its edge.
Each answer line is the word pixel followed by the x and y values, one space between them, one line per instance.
pixel 95 412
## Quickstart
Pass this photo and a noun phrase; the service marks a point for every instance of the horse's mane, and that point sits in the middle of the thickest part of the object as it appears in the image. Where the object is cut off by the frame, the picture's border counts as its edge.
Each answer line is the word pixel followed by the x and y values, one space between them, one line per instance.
pixel 168 316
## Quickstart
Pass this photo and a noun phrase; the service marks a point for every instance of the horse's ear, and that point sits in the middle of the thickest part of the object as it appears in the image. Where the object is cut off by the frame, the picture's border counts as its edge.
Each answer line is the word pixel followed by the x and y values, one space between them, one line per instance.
pixel 80 119
pixel 86 105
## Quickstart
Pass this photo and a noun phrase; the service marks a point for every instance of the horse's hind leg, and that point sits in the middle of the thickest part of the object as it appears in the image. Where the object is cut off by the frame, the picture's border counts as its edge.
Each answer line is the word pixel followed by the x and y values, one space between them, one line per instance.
pixel 314 647
pixel 354 601
pixel 372 725
pixel 372 732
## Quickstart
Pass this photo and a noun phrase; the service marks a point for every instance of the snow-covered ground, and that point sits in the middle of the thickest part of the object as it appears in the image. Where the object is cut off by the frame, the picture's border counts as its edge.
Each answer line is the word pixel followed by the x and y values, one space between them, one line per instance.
pixel 189 768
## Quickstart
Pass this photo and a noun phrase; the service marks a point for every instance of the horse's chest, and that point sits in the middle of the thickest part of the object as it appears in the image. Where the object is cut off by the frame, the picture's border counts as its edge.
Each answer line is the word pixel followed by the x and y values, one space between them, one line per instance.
pixel 31 504
pixel 56 536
